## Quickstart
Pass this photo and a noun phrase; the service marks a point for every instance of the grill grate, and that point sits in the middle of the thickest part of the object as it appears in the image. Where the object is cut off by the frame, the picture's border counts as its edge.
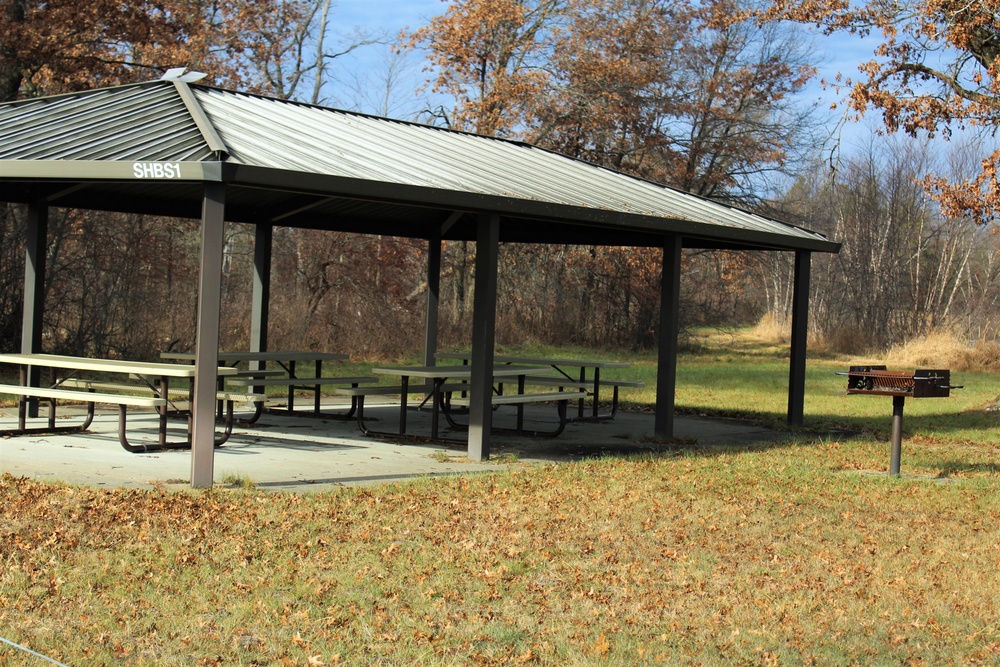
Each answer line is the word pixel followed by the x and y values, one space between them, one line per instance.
pixel 876 380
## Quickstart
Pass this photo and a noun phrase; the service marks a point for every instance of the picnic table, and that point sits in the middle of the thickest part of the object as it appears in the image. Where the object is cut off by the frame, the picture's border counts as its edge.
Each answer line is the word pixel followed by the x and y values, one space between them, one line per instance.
pixel 91 381
pixel 439 392
pixel 564 379
pixel 290 362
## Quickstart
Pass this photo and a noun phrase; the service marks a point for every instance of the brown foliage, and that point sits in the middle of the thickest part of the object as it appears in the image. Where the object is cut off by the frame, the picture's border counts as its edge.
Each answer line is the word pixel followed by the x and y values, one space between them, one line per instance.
pixel 713 557
pixel 936 69
pixel 62 45
pixel 661 89
pixel 490 56
pixel 656 88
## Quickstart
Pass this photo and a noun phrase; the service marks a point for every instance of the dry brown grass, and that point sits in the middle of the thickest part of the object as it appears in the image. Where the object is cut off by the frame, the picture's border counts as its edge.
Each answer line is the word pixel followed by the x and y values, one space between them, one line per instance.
pixel 943 349
pixel 938 349
pixel 840 341
pixel 778 331
pixel 771 329
pixel 792 554
pixel 732 557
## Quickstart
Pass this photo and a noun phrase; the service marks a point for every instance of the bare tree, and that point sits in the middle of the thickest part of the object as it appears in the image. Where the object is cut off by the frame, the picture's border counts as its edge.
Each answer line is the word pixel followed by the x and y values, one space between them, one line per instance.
pixel 905 269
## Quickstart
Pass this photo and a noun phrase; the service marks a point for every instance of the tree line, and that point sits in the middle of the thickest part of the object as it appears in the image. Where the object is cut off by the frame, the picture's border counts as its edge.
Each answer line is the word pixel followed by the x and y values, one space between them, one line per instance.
pixel 704 97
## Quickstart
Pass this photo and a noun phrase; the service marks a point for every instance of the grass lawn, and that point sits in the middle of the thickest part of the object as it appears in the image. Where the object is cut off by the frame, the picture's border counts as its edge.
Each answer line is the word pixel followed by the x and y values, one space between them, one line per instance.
pixel 789 554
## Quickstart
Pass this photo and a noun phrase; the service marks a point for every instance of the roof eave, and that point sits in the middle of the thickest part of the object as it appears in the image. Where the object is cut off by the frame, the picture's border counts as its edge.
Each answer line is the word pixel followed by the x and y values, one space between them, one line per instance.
pixel 106 170
pixel 396 193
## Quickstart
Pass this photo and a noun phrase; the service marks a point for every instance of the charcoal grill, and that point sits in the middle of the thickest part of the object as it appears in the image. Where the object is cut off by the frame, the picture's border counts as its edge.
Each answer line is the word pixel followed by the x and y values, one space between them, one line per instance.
pixel 921 383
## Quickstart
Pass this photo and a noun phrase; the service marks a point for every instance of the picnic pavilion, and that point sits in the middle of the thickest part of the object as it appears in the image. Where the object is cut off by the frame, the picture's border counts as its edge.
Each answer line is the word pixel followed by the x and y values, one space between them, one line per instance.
pixel 171 148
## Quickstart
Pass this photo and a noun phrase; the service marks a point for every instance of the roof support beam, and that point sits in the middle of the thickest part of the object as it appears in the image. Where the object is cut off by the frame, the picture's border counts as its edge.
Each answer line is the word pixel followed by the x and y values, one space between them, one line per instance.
pixel 666 363
pixel 34 287
pixel 433 299
pixel 34 276
pixel 450 222
pixel 299 205
pixel 261 303
pixel 484 318
pixel 800 336
pixel 206 348
pixel 56 196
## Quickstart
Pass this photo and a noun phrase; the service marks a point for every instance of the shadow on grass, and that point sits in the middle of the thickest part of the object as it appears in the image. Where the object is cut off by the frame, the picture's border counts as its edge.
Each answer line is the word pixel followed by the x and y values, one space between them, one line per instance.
pixel 769 430
pixel 949 468
pixel 957 425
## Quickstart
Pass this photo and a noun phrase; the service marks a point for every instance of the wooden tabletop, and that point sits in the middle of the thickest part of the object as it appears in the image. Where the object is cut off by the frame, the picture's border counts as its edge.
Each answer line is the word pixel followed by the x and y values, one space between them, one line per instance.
pixel 454 371
pixel 106 365
pixel 504 359
pixel 236 357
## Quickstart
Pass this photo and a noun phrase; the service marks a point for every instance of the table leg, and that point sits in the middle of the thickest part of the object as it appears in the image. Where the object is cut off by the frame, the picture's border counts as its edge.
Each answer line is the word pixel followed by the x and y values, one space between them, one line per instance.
pixel 26 404
pixel 597 389
pixel 435 406
pixel 291 387
pixel 319 373
pixel 520 406
pixel 165 394
pixel 579 407
pixel 405 386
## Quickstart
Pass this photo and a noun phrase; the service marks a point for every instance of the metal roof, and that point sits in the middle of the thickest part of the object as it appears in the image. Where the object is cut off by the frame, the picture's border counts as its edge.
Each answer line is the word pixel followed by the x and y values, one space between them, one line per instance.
pixel 148 147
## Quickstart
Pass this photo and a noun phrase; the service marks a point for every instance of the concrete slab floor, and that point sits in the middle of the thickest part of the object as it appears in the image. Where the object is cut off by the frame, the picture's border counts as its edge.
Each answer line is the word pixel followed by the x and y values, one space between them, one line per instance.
pixel 305 454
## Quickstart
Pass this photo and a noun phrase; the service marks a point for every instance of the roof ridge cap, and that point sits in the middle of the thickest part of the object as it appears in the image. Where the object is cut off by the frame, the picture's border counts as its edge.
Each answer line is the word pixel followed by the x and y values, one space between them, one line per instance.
pixel 201 119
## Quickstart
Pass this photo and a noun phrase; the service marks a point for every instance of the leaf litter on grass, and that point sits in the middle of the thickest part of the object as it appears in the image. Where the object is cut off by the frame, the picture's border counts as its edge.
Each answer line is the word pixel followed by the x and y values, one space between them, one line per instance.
pixel 724 557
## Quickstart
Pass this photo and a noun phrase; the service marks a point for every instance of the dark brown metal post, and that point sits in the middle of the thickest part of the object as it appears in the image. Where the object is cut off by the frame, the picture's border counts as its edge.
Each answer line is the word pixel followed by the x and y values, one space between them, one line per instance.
pixel 484 317
pixel 259 315
pixel 666 363
pixel 897 434
pixel 800 335
pixel 433 298
pixel 207 336
pixel 433 303
pixel 34 289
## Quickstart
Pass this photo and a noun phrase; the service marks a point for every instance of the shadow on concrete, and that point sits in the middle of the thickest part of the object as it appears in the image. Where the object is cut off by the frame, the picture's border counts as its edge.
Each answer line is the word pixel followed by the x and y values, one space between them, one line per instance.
pixel 295 453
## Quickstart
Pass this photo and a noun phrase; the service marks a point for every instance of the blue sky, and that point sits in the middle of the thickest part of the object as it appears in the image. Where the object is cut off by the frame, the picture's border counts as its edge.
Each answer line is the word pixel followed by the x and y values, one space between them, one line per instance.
pixel 393 14
pixel 365 70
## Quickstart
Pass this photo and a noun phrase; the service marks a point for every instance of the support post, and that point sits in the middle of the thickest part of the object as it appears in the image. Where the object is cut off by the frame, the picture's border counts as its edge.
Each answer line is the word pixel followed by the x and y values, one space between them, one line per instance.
pixel 207 337
pixel 800 335
pixel 433 298
pixel 666 364
pixel 34 288
pixel 484 316
pixel 897 434
pixel 260 309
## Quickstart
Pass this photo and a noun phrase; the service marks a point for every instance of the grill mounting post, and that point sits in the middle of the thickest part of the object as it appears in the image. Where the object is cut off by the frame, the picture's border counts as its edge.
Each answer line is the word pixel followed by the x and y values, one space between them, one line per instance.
pixel 877 381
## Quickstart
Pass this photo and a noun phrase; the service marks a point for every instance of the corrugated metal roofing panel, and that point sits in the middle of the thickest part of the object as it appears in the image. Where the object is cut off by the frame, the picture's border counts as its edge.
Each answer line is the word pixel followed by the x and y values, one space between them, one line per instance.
pixel 277 134
pixel 143 122
pixel 430 166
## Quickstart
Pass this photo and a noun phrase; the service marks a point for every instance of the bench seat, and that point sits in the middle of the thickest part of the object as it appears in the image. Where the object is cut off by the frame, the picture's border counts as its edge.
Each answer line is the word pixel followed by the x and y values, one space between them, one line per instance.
pixel 577 384
pixel 309 384
pixel 82 396
pixel 520 400
pixel 515 399
pixel 175 392
pixel 88 396
pixel 297 382
pixel 272 372
pixel 624 383
pixel 396 390
pixel 549 381
pixel 586 386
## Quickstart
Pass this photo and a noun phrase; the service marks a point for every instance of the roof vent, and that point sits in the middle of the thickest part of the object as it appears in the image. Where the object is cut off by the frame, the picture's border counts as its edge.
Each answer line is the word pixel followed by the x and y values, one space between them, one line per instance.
pixel 178 74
